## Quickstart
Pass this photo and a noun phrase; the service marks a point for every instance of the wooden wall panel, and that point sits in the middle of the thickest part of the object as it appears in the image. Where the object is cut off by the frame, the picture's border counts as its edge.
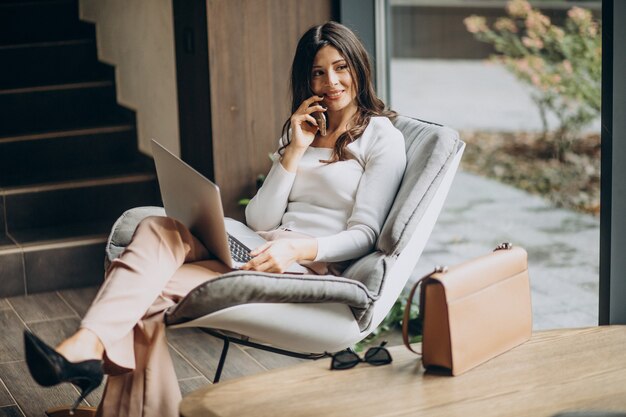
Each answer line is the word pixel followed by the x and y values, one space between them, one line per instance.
pixel 251 46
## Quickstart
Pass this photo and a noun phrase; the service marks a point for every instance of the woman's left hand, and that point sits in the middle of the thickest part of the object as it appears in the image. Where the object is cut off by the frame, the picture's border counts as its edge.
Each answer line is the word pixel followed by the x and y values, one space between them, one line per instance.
pixel 278 255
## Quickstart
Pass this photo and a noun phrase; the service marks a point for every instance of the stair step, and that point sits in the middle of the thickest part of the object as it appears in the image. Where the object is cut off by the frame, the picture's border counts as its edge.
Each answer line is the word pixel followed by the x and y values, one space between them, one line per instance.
pixel 51 63
pixel 83 201
pixel 64 264
pixel 86 85
pixel 60 107
pixel 12 2
pixel 67 235
pixel 75 150
pixel 60 177
pixel 52 266
pixel 11 268
pixel 76 178
pixel 38 21
pixel 73 130
pixel 24 1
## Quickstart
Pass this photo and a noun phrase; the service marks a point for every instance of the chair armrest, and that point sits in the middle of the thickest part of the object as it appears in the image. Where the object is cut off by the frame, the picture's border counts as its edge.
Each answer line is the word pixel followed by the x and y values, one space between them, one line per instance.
pixel 123 230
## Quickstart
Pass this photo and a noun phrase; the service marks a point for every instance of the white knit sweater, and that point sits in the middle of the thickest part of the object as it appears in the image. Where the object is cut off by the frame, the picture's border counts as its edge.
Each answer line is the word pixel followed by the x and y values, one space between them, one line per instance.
pixel 343 204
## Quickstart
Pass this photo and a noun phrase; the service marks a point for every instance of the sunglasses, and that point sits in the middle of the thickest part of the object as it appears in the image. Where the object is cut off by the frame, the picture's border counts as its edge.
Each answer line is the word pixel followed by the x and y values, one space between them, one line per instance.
pixel 347 359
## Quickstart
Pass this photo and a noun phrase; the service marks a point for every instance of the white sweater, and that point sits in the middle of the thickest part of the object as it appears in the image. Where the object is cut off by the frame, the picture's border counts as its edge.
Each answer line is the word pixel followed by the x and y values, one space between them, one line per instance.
pixel 343 204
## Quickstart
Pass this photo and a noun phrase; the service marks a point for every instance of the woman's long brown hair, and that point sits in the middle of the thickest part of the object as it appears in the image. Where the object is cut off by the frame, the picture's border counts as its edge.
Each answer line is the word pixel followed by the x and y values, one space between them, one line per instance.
pixel 352 50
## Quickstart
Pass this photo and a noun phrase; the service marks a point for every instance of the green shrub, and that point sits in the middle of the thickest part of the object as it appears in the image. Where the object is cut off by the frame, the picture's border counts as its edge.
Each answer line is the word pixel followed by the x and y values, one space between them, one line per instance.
pixel 393 321
pixel 563 65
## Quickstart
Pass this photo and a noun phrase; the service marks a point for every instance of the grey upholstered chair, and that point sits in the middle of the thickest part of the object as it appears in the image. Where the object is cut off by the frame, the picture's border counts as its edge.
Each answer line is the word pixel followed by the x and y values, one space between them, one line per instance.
pixel 308 315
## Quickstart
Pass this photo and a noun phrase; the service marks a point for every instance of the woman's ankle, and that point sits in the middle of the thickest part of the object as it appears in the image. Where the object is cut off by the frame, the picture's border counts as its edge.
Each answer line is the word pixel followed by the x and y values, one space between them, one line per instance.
pixel 82 345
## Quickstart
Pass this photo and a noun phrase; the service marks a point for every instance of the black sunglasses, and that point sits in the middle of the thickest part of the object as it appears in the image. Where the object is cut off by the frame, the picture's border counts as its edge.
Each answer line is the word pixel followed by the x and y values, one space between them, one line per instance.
pixel 347 359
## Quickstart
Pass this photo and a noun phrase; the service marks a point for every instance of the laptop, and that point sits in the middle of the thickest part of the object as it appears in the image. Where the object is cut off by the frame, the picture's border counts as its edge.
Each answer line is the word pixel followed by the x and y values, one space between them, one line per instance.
pixel 195 201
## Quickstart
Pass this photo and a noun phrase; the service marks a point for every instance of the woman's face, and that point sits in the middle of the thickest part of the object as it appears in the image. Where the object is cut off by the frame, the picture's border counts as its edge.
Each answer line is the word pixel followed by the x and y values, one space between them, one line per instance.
pixel 331 79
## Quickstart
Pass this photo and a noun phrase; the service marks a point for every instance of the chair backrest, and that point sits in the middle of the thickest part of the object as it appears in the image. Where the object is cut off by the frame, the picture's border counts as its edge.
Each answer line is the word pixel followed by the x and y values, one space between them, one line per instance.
pixel 433 155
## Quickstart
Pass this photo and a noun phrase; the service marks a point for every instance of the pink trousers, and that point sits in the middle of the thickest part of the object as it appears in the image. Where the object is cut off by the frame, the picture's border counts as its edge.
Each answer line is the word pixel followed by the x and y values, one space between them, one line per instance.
pixel 161 265
pixel 163 262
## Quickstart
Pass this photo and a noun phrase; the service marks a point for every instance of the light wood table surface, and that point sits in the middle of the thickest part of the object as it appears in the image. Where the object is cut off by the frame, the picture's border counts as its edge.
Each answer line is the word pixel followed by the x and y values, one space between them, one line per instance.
pixel 557 370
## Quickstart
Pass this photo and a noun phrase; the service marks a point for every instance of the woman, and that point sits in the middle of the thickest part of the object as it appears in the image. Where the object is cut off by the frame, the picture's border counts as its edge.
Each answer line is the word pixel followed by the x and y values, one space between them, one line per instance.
pixel 323 202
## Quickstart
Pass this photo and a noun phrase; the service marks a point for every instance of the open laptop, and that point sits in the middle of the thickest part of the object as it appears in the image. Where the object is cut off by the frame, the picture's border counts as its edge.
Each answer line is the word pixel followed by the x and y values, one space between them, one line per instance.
pixel 195 201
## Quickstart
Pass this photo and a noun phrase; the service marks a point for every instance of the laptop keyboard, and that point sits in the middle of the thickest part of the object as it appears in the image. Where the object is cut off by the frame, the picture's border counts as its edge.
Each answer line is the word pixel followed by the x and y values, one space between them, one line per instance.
pixel 238 251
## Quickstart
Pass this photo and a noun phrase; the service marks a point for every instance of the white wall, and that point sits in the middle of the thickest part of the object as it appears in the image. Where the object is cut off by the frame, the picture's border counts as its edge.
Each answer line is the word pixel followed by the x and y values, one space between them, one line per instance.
pixel 137 37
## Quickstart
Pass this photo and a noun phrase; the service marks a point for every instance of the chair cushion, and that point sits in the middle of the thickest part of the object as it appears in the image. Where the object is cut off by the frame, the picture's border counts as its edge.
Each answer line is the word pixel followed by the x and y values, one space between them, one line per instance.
pixel 430 149
pixel 243 287
pixel 123 230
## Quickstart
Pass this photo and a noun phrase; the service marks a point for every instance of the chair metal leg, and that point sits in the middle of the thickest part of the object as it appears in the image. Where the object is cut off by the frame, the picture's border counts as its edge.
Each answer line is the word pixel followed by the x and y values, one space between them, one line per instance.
pixel 227 339
pixel 220 365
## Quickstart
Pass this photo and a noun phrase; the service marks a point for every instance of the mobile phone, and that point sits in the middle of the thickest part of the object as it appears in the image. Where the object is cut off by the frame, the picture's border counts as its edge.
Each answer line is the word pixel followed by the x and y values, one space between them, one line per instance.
pixel 320 118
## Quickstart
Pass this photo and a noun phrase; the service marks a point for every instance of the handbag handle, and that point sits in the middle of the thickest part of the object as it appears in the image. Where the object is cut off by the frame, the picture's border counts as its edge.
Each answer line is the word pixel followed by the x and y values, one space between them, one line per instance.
pixel 409 302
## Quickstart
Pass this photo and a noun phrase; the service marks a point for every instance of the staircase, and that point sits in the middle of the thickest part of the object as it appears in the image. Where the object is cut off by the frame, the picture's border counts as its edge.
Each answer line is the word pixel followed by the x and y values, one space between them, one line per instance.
pixel 69 164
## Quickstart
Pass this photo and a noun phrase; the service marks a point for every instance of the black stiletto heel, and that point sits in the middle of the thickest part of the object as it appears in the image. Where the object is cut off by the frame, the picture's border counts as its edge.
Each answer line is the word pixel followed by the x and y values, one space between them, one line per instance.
pixel 49 368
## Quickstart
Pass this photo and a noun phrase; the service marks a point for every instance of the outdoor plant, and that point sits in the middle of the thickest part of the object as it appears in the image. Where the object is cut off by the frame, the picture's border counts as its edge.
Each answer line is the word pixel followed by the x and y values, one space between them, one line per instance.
pixel 561 64
pixel 259 182
pixel 393 321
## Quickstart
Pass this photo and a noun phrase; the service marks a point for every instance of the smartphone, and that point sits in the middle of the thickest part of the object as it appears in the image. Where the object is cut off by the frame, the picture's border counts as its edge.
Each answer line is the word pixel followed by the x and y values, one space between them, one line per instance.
pixel 320 118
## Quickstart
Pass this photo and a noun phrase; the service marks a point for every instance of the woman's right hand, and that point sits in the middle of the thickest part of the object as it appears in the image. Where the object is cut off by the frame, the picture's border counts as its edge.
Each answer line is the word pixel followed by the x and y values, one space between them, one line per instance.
pixel 303 130
pixel 303 125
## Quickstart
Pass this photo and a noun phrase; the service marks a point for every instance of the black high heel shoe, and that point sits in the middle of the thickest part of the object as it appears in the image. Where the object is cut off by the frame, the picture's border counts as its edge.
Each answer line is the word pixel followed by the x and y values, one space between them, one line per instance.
pixel 49 368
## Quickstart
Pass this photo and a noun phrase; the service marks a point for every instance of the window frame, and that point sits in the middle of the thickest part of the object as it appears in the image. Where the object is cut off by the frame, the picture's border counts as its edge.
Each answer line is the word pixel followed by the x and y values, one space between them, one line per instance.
pixel 612 294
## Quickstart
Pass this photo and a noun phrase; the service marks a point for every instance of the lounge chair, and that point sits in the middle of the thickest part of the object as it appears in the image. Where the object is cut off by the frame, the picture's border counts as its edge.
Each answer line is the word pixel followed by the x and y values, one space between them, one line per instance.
pixel 308 315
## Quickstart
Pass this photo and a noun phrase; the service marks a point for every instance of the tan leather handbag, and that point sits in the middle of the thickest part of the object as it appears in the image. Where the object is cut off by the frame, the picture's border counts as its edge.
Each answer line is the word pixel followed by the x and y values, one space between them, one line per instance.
pixel 473 311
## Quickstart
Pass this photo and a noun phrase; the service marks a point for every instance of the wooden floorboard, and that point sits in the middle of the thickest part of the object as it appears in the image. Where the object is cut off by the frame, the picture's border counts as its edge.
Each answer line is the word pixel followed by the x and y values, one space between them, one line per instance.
pixel 10 411
pixel 271 360
pixel 12 340
pixel 184 369
pixel 55 331
pixel 204 352
pixel 5 397
pixel 43 306
pixel 187 386
pixel 4 304
pixel 79 299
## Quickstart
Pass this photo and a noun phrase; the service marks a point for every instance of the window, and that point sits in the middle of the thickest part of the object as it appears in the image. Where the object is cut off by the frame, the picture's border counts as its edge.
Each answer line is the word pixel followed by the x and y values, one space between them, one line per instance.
pixel 435 73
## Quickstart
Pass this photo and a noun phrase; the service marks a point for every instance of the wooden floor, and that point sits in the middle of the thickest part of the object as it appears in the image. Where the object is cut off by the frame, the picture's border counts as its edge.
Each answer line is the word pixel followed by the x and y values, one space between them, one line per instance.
pixel 55 315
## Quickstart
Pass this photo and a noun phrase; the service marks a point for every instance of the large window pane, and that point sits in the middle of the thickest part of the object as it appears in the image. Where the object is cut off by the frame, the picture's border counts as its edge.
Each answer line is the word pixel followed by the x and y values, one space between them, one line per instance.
pixel 515 185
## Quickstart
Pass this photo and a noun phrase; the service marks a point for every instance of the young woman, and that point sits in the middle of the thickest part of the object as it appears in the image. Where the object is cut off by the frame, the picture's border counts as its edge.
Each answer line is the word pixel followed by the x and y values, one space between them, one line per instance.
pixel 323 203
